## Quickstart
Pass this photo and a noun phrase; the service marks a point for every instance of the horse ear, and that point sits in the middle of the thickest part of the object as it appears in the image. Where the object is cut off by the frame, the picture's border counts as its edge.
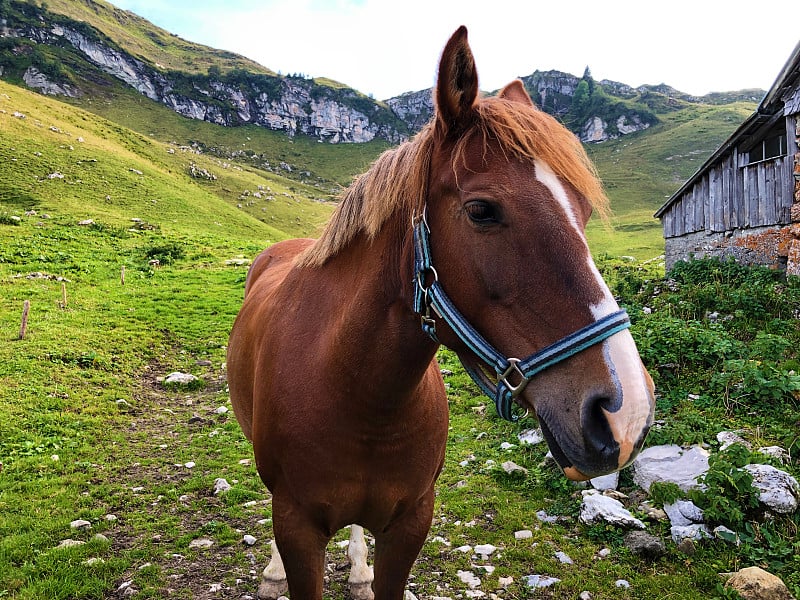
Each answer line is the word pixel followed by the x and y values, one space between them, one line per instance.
pixel 516 92
pixel 457 85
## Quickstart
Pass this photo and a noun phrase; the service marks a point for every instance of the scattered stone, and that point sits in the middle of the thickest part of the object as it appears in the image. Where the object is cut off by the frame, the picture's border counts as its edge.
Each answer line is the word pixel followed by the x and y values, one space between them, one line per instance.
pixel 597 507
pixel 504 582
pixel 469 578
pixel 110 517
pixel 622 583
pixel 409 596
pixel 249 540
pixel 775 452
pixel 777 489
pixel 603 552
pixel 754 583
pixel 201 543
pixel 683 512
pixel 80 524
pixel 564 558
pixel 645 545
pixel 728 438
pixel 540 581
pixel 93 561
pixel 507 446
pixel 696 532
pixel 99 537
pixel 531 436
pixel 653 513
pixel 221 485
pixel 190 465
pixel 545 518
pixel 585 596
pixel 221 410
pixel 670 463
pixel 523 534
pixel 178 378
pixel 69 543
pixel 511 467
pixel 606 482
pixel 485 550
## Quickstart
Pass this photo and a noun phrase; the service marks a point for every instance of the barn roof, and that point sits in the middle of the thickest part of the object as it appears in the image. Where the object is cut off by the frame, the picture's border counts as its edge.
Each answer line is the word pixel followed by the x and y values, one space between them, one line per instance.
pixel 768 112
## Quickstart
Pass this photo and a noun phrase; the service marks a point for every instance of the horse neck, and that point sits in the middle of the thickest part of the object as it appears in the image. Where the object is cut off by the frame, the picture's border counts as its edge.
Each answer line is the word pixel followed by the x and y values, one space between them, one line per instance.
pixel 376 323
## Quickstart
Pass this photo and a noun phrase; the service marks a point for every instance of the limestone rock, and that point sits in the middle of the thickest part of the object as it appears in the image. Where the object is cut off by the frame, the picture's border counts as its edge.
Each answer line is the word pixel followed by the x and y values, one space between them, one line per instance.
pixel 597 507
pixel 778 490
pixel 671 464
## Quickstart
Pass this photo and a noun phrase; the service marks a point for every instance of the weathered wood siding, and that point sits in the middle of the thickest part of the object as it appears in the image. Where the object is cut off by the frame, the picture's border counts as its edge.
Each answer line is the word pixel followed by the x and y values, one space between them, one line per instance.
pixel 732 196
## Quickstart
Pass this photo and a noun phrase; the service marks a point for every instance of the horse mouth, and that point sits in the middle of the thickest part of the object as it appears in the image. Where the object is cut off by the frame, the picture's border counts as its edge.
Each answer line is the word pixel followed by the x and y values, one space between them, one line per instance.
pixel 566 465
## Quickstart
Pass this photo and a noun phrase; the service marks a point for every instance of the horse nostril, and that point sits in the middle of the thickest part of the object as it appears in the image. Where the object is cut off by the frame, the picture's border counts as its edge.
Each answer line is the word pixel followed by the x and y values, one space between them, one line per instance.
pixel 597 432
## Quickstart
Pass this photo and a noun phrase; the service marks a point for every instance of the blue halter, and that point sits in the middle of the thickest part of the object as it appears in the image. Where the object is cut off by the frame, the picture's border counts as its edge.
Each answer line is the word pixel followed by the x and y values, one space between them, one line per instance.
pixel 512 374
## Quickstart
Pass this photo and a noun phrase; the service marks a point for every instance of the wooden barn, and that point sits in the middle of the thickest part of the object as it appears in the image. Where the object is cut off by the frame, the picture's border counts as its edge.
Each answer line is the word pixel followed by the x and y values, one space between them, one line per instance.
pixel 744 202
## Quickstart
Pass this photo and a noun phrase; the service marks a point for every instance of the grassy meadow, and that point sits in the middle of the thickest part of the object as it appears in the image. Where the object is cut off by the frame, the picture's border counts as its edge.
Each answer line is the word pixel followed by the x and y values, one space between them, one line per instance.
pixel 89 431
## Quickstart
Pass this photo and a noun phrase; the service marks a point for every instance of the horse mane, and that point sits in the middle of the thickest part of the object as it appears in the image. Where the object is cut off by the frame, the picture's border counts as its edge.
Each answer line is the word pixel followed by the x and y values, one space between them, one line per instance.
pixel 397 180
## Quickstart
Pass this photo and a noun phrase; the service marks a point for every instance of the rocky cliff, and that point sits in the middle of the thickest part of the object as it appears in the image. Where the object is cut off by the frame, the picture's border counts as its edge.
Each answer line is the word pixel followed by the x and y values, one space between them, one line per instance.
pixel 30 38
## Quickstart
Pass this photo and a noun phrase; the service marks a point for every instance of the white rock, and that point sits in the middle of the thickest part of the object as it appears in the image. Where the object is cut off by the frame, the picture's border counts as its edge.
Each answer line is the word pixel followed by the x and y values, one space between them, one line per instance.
pixel 474 594
pixel 504 582
pixel 201 543
pixel 409 596
pixel 683 512
pixel 728 438
pixel 180 378
pixel 696 532
pixel 469 578
pixel 485 549
pixel 440 540
pixel 190 465
pixel 606 482
pixel 563 558
pixel 531 436
pixel 545 518
pixel 523 534
pixel 111 517
pixel 603 552
pixel 671 464
pixel 221 410
pixel 465 549
pixel 512 467
pixel 540 581
pixel 775 452
pixel 622 583
pixel 597 507
pixel 221 485
pixel 507 446
pixel 70 543
pixel 93 561
pixel 249 540
pixel 723 533
pixel 80 524
pixel 777 489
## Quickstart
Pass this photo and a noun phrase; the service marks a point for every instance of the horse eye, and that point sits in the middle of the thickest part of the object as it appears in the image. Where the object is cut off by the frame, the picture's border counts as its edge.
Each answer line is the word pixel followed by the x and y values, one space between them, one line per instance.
pixel 481 212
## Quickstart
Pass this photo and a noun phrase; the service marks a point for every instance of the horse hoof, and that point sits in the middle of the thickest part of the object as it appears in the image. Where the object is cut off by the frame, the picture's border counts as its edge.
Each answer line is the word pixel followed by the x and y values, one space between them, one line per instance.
pixel 272 589
pixel 361 591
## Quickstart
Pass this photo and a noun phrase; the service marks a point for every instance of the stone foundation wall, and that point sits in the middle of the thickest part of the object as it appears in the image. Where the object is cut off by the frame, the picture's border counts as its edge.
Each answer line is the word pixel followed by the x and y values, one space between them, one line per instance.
pixel 793 258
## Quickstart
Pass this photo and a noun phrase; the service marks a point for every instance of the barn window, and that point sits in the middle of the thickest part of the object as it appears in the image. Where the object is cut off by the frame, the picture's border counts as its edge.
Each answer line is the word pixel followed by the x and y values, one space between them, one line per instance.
pixel 772 146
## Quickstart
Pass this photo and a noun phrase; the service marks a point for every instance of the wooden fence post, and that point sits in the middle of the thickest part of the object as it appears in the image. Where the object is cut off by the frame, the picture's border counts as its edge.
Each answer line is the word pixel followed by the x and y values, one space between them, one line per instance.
pixel 26 306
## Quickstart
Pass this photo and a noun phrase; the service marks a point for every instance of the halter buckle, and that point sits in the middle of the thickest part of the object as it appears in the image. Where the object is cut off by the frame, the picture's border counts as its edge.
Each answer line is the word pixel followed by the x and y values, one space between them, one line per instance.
pixel 513 370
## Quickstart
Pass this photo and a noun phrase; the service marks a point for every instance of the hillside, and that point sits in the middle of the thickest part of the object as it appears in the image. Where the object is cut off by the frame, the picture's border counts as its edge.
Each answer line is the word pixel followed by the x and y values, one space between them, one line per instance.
pixel 646 141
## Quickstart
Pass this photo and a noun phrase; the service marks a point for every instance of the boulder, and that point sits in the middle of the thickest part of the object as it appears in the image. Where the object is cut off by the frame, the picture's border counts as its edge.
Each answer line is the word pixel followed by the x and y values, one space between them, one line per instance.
pixel 754 583
pixel 597 507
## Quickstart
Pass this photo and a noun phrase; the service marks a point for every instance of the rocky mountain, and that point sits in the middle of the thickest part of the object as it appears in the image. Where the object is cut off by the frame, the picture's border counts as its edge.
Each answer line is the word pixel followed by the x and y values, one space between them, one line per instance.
pixel 63 55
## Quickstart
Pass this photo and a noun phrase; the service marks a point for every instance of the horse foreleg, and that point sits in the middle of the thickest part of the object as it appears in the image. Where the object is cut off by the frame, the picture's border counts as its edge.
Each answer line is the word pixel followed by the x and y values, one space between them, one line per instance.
pixel 302 548
pixel 397 548
pixel 360 580
pixel 273 579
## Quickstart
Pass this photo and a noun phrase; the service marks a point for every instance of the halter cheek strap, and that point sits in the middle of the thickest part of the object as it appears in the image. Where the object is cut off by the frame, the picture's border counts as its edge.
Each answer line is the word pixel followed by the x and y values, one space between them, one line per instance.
pixel 511 374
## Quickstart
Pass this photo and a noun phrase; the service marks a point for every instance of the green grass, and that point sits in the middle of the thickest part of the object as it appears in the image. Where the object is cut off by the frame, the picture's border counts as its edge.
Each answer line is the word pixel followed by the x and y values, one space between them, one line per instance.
pixel 87 430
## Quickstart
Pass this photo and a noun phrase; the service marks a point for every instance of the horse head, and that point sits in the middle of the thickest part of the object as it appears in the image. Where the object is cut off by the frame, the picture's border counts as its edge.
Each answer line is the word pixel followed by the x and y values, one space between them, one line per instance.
pixel 509 193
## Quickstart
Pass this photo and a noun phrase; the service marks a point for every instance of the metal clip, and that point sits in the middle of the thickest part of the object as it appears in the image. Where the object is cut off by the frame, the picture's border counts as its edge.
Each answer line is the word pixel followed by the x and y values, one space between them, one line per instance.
pixel 512 369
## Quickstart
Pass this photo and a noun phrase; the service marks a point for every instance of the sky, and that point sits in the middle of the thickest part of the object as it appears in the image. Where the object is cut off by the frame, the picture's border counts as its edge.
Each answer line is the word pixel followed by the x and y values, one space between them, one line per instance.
pixel 387 47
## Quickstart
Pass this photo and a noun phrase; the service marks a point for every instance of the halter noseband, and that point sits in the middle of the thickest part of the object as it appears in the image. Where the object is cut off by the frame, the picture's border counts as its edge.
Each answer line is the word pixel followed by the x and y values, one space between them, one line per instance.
pixel 512 374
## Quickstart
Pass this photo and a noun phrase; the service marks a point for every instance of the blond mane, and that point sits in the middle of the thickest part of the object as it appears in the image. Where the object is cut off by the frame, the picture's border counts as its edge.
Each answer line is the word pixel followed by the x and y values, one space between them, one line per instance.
pixel 397 180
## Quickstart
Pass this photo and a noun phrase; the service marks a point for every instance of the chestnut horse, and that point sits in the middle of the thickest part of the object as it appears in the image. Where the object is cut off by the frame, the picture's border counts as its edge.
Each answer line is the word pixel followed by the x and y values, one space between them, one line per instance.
pixel 470 235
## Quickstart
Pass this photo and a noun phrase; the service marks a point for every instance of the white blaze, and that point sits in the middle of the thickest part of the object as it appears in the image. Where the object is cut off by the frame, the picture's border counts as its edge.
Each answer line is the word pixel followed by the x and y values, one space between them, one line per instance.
pixel 621 355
